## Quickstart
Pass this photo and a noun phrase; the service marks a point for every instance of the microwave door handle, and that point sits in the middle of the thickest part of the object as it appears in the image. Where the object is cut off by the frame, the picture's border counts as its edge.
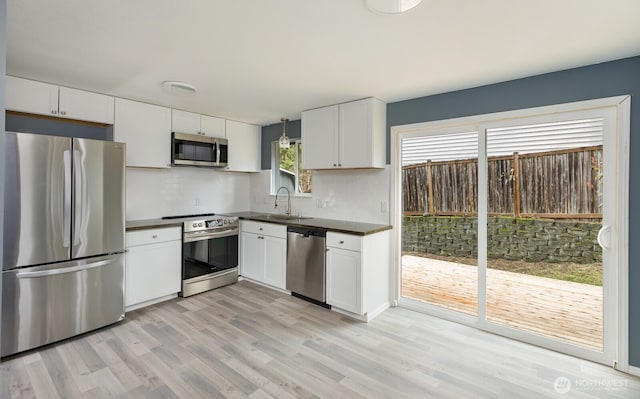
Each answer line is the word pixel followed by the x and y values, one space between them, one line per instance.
pixel 217 153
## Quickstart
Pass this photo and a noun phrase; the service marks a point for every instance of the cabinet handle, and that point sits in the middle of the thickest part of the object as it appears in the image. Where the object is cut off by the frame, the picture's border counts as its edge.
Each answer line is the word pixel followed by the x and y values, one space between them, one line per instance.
pixel 154 236
pixel 339 164
pixel 341 242
pixel 260 229
pixel 334 165
pixel 53 111
pixel 63 113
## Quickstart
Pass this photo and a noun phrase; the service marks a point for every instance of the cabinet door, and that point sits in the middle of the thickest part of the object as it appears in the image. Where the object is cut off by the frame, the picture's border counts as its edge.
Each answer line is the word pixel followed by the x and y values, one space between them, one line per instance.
pixel 276 261
pixel 344 279
pixel 152 271
pixel 85 106
pixel 244 147
pixel 185 122
pixel 320 138
pixel 252 256
pixel 212 126
pixel 146 129
pixel 355 142
pixel 29 96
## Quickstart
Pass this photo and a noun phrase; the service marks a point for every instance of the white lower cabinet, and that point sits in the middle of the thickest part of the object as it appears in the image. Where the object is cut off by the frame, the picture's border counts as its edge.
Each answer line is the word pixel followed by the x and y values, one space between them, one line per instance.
pixel 153 266
pixel 358 273
pixel 263 252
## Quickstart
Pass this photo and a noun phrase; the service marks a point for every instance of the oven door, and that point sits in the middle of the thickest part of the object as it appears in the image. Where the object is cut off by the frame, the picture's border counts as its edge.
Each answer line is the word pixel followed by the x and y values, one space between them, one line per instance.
pixel 209 260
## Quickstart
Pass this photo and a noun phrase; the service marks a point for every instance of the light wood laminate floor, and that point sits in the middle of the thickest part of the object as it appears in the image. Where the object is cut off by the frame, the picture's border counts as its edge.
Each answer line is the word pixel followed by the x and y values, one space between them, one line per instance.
pixel 246 340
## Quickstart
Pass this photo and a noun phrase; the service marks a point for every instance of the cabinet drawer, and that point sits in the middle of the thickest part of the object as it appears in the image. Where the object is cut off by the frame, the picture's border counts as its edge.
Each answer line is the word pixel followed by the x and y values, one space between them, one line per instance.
pixel 267 229
pixel 344 241
pixel 152 236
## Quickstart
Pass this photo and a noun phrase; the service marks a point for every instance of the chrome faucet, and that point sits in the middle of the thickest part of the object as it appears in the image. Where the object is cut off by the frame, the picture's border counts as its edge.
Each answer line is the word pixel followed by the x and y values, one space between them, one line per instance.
pixel 275 205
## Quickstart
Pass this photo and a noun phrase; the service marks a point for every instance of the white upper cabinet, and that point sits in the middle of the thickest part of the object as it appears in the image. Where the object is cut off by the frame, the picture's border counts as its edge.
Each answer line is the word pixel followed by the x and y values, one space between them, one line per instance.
pixel 213 127
pixel 320 138
pixel 33 97
pixel 191 122
pixel 350 135
pixel 244 146
pixel 30 96
pixel 83 105
pixel 146 129
pixel 185 122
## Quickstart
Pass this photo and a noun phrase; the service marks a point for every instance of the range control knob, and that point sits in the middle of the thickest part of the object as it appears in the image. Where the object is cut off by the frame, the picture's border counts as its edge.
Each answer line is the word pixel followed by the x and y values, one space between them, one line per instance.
pixel 195 225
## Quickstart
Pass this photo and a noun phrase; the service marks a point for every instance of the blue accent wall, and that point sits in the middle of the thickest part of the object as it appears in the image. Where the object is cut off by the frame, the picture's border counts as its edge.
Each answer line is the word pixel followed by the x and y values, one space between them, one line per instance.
pixel 61 127
pixel 608 79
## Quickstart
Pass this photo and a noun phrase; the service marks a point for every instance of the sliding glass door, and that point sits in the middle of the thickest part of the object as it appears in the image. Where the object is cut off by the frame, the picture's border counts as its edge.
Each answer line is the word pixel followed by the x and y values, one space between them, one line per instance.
pixel 440 222
pixel 510 225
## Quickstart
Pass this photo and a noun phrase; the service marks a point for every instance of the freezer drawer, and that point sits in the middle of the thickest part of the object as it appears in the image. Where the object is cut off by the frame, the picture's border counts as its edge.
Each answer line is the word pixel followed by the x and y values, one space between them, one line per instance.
pixel 49 303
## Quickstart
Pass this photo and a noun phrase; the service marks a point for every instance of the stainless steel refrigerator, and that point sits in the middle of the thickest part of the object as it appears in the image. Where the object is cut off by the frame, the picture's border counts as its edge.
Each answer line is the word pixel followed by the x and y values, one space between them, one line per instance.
pixel 63 261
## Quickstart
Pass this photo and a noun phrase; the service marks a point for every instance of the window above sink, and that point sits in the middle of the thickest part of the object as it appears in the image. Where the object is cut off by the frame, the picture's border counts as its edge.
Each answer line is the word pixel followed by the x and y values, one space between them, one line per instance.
pixel 287 171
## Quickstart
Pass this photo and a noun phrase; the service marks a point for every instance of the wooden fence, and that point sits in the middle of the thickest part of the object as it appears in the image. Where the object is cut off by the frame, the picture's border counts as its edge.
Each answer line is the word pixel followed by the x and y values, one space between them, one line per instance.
pixel 554 184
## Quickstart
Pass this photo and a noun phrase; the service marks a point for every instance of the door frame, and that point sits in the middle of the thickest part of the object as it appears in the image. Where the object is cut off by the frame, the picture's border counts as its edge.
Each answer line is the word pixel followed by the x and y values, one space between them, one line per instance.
pixel 622 107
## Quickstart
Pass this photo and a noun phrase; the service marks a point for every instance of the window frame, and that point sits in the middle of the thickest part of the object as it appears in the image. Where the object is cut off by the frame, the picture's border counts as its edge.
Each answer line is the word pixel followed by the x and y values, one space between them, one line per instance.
pixel 275 168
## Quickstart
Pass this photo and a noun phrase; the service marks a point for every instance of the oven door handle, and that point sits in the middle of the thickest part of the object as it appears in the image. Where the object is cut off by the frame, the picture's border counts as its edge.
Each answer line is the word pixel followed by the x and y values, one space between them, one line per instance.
pixel 192 237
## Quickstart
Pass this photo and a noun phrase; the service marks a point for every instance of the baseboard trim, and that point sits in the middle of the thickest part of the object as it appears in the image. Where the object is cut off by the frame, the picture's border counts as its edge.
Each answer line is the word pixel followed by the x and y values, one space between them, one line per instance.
pixel 151 302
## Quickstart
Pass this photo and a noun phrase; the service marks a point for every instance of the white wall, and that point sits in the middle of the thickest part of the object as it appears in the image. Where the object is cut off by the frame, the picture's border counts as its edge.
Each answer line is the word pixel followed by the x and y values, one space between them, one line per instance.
pixel 153 193
pixel 352 195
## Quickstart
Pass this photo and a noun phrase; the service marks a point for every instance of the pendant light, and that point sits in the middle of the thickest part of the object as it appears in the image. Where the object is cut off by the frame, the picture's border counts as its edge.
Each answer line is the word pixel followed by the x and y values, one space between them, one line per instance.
pixel 284 139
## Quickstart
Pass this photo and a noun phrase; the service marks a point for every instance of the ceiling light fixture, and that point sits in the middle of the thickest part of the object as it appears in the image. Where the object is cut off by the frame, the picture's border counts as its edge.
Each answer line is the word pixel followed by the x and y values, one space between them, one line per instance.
pixel 392 6
pixel 176 87
pixel 284 141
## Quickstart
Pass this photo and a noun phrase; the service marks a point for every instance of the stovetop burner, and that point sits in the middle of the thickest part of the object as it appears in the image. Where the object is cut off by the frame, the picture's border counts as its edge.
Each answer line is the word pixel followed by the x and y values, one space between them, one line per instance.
pixel 188 216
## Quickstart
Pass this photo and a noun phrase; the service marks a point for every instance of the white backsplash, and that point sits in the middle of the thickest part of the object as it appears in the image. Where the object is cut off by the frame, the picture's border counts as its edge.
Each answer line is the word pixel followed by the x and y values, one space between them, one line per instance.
pixel 352 195
pixel 153 193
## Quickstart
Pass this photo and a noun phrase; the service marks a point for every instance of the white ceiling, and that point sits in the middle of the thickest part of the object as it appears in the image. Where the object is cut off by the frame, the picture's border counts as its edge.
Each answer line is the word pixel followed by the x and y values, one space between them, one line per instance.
pixel 257 61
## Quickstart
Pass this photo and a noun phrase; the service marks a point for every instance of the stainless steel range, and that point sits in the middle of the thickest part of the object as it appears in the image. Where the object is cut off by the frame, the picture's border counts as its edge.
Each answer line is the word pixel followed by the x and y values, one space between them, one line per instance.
pixel 209 254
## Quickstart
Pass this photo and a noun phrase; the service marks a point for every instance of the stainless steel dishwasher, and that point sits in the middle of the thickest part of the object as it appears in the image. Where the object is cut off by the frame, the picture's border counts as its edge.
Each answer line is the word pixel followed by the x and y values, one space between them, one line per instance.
pixel 306 263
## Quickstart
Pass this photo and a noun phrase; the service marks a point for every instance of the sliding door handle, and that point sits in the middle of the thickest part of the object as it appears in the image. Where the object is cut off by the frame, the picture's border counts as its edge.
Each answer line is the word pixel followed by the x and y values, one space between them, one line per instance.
pixel 604 237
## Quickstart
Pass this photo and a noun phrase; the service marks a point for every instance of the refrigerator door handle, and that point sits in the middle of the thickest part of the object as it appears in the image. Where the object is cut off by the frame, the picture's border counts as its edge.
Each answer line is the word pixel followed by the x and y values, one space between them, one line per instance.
pixel 72 269
pixel 80 197
pixel 66 201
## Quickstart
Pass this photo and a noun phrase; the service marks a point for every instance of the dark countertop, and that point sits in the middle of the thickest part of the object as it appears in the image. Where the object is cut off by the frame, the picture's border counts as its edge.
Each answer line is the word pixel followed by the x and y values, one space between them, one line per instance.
pixel 338 226
pixel 143 224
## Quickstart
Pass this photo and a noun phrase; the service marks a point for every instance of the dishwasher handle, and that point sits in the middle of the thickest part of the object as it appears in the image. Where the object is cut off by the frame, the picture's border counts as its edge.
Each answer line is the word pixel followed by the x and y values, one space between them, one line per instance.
pixel 307 232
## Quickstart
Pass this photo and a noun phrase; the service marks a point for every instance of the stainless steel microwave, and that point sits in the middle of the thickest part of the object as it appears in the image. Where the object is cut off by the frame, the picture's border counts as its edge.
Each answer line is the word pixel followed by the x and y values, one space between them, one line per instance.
pixel 195 150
